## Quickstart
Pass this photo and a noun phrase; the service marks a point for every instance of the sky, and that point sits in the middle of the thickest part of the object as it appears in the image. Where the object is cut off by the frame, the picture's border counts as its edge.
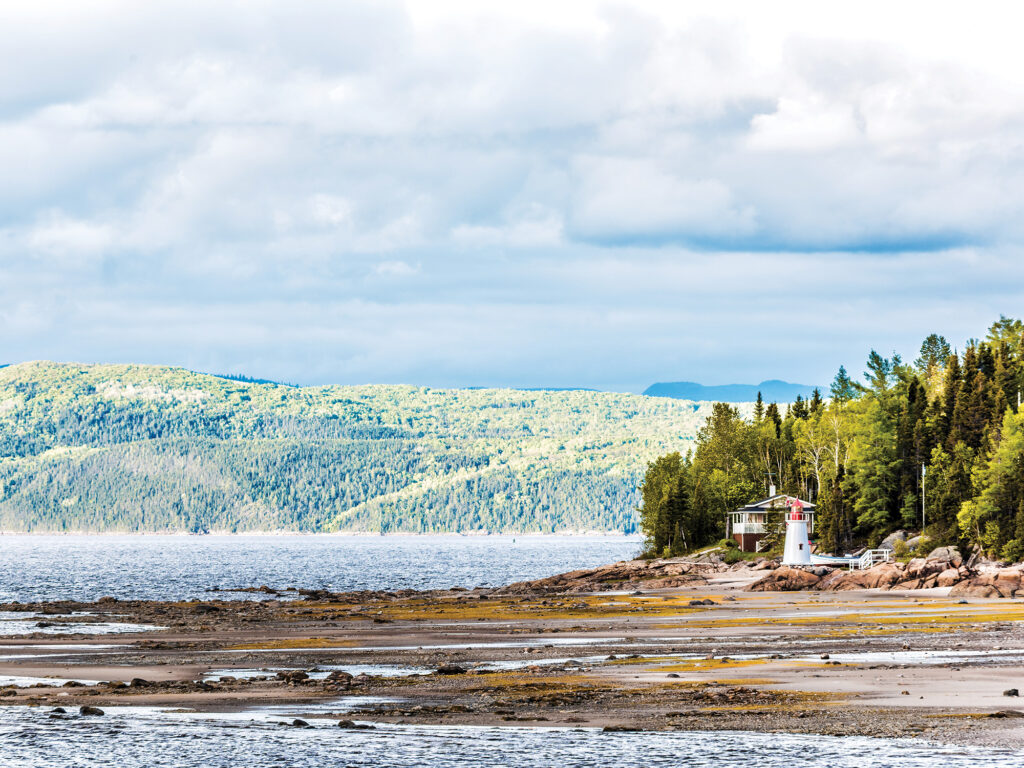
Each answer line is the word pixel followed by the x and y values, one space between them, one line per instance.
pixel 524 194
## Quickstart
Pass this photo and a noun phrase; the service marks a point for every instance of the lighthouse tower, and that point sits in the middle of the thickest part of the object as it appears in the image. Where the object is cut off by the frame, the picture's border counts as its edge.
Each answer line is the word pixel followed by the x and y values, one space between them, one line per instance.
pixel 798 546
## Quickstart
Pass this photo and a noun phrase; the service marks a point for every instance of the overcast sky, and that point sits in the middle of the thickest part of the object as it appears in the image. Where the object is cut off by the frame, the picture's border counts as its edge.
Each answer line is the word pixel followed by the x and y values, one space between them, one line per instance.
pixel 507 194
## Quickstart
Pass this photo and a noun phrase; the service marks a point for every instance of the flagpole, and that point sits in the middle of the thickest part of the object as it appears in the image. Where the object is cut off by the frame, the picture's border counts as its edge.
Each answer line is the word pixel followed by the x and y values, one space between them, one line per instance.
pixel 922 497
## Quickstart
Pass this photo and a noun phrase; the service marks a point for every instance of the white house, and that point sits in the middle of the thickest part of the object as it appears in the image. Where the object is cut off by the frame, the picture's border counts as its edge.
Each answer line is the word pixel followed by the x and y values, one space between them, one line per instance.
pixel 747 525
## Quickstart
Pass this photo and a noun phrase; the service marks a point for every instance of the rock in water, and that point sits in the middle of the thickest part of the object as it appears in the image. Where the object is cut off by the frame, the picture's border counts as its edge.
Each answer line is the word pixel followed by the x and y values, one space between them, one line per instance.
pixel 451 669
pixel 1011 692
pixel 91 711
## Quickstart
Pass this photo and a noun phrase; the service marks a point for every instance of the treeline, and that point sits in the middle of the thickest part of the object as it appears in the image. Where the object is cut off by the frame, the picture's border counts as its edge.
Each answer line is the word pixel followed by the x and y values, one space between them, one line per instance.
pixel 949 419
pixel 139 448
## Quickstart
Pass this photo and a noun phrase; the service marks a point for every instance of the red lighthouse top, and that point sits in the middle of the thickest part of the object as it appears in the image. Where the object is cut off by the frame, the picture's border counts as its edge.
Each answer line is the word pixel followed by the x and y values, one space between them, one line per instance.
pixel 796 508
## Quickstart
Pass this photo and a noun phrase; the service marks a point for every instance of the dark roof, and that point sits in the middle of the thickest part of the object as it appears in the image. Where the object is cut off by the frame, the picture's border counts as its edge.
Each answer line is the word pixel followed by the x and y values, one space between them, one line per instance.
pixel 778 501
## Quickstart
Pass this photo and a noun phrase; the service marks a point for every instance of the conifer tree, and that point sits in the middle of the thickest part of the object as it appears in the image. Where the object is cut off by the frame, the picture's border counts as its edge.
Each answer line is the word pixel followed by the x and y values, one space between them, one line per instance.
pixel 816 402
pixel 843 389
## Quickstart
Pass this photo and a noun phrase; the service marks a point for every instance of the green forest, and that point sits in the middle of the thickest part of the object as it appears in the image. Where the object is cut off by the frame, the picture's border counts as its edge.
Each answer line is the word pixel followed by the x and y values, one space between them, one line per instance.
pixel 145 448
pixel 861 451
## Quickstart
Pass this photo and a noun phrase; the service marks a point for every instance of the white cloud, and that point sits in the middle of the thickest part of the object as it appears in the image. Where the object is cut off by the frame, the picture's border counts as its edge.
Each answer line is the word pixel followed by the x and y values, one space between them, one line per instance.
pixel 803 126
pixel 635 200
pixel 535 168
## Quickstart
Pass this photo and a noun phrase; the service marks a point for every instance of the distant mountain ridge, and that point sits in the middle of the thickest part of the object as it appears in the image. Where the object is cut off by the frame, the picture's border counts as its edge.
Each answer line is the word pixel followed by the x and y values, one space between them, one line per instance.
pixel 772 390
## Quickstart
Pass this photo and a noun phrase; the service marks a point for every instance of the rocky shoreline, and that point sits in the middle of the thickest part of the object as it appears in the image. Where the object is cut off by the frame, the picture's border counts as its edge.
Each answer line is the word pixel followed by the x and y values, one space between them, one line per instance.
pixel 944 567
pixel 641 645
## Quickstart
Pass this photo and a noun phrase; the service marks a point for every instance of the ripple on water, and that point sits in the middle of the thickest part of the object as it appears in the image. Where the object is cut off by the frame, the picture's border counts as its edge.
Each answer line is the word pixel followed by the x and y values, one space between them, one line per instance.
pixel 136 737
pixel 165 567
pixel 18 627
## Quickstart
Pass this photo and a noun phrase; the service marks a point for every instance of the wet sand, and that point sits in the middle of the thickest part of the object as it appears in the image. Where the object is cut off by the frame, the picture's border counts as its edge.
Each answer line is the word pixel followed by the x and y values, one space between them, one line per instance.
pixel 805 662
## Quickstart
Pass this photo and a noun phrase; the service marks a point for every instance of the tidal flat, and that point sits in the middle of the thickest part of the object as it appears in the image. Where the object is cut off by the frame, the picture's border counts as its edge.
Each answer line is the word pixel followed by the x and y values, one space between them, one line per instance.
pixel 695 657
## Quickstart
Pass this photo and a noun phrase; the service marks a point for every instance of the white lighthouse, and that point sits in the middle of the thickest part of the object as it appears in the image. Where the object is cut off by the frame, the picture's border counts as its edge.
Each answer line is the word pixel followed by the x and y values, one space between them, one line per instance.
pixel 798 545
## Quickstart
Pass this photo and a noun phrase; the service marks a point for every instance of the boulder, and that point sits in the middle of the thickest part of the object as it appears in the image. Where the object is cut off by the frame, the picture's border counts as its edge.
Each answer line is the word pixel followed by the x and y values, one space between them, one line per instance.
pixel 889 542
pixel 450 669
pixel 949 555
pixel 354 726
pixel 976 587
pixel 948 578
pixel 91 711
pixel 1002 582
pixel 881 576
pixel 1008 579
pixel 921 568
pixel 786 579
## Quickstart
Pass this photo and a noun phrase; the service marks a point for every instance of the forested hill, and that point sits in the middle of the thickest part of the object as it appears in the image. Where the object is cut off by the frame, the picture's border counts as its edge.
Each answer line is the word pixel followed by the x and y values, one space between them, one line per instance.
pixel 143 448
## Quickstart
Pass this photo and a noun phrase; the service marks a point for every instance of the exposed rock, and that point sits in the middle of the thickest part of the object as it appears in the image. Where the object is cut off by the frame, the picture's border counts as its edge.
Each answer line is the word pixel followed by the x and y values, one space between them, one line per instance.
pixel 880 576
pixel 889 542
pixel 976 587
pixel 950 555
pixel 786 579
pixel 626 575
pixel 451 669
pixel 300 723
pixel 354 726
pixel 91 711
pixel 1011 692
pixel 949 577
pixel 1000 582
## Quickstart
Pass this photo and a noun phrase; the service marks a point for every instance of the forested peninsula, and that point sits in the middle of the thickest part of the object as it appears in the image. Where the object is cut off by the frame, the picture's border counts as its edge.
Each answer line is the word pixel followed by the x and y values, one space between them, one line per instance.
pixel 949 419
pixel 145 448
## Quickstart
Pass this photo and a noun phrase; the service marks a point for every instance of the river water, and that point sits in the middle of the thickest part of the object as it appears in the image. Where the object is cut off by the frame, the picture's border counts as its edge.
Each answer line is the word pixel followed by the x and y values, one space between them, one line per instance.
pixel 136 737
pixel 156 567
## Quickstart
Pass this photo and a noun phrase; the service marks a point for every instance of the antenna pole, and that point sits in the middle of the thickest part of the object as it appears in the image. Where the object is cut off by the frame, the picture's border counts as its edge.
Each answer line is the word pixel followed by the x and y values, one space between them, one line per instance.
pixel 922 493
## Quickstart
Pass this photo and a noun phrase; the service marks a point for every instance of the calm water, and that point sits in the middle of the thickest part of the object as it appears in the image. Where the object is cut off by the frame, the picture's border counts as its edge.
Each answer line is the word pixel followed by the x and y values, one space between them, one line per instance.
pixel 178 567
pixel 31 739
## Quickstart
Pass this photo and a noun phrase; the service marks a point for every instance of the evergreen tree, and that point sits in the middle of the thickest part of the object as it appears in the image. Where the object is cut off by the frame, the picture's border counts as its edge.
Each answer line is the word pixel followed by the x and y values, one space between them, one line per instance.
pixel 816 402
pixel 931 362
pixel 843 389
pixel 995 518
pixel 799 409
